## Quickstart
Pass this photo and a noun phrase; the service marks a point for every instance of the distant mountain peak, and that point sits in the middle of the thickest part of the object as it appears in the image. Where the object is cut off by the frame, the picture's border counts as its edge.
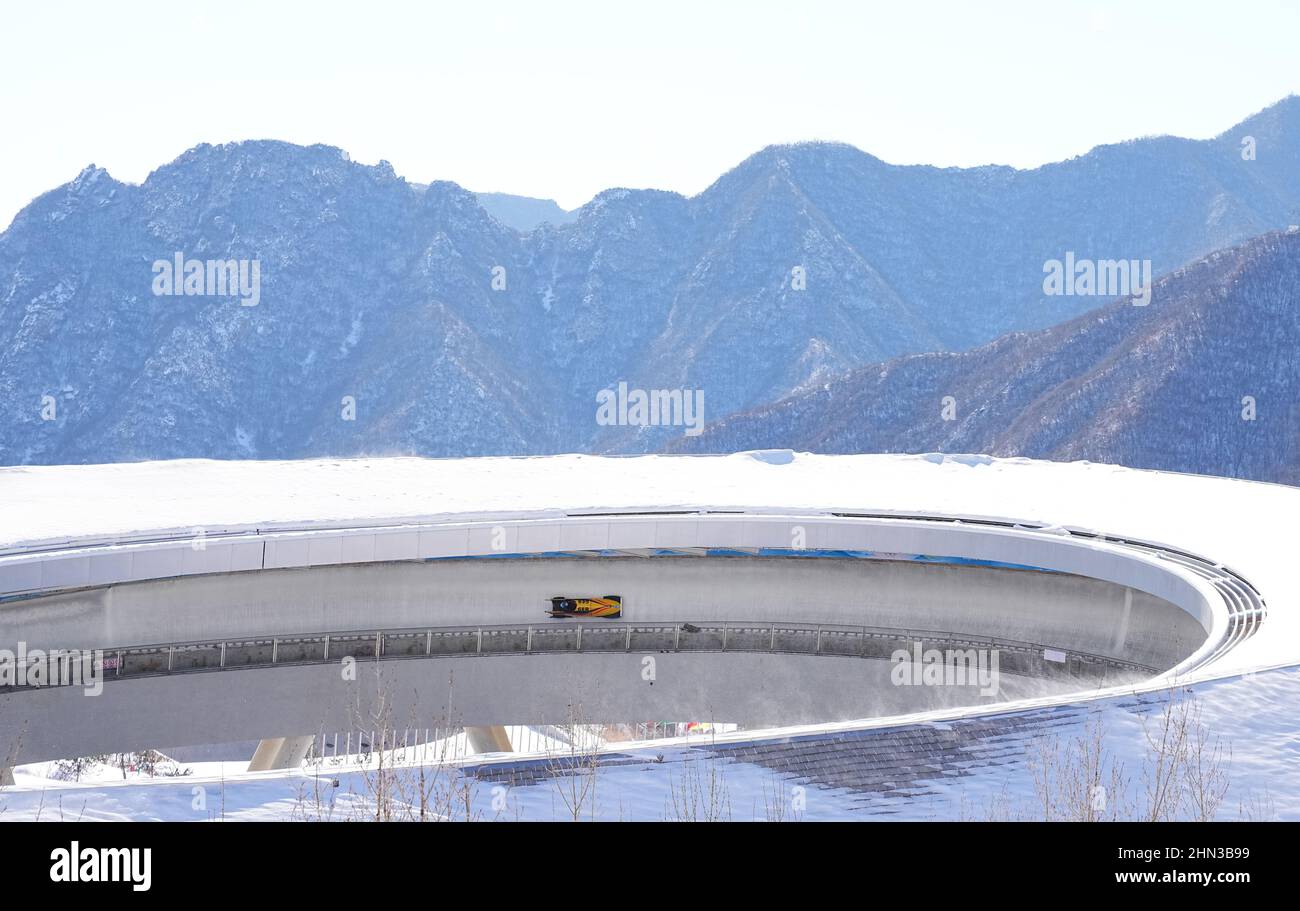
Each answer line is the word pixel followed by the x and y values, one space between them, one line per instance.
pixel 1277 127
pixel 88 175
pixel 524 213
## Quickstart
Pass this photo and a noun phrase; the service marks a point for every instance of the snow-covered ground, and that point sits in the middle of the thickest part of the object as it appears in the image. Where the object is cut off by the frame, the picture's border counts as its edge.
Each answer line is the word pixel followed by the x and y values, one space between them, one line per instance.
pixel 53 503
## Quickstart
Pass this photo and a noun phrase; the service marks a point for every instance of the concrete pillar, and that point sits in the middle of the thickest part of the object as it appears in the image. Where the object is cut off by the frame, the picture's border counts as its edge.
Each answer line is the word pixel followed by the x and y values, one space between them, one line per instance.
pixel 280 753
pixel 492 739
pixel 6 776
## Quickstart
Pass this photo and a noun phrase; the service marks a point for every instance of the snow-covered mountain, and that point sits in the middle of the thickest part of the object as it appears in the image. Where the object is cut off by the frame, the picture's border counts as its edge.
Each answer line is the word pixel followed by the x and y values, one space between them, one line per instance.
pixel 1205 378
pixel 443 331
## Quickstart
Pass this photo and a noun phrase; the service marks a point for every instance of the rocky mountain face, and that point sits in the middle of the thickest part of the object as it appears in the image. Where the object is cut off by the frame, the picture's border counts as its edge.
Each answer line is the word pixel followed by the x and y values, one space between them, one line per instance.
pixel 392 318
pixel 1205 378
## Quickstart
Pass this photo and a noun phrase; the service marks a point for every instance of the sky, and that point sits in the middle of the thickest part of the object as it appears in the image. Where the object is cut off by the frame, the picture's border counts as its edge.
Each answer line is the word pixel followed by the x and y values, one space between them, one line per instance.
pixel 564 99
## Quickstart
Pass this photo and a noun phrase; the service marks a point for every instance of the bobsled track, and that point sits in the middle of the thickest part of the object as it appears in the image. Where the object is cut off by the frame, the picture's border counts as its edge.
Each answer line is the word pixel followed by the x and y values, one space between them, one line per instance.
pixel 235 601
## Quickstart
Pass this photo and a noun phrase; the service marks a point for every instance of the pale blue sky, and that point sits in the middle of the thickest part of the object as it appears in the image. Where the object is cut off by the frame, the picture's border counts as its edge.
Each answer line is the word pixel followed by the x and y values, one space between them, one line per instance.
pixel 562 99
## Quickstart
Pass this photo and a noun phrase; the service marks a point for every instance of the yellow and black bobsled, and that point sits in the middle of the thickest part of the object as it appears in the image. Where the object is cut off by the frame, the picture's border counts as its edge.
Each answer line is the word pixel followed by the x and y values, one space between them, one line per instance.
pixel 607 606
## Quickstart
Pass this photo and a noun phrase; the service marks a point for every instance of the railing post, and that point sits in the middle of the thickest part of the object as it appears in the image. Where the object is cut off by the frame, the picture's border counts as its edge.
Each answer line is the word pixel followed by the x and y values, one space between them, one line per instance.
pixel 275 650
pixel 819 640
pixel 771 645
pixel 326 656
pixel 579 637
pixel 223 654
pixel 627 642
pixel 171 655
pixel 478 648
pixel 428 642
pixel 677 637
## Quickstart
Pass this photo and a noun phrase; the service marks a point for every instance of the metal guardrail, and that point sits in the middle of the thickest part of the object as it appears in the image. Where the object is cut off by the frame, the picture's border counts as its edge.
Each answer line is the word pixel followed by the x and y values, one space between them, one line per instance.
pixel 588 636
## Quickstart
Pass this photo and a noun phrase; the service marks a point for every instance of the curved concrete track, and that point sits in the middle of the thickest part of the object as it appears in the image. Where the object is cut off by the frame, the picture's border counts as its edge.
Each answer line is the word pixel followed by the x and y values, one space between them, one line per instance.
pixel 276 560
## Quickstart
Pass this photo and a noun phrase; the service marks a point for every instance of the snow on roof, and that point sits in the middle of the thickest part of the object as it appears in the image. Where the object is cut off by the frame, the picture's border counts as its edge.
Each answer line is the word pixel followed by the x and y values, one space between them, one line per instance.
pixel 42 503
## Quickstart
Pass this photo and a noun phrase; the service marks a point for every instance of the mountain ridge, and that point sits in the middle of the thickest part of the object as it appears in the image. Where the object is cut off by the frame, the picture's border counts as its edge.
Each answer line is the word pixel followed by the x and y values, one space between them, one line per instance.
pixel 457 334
pixel 1121 384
